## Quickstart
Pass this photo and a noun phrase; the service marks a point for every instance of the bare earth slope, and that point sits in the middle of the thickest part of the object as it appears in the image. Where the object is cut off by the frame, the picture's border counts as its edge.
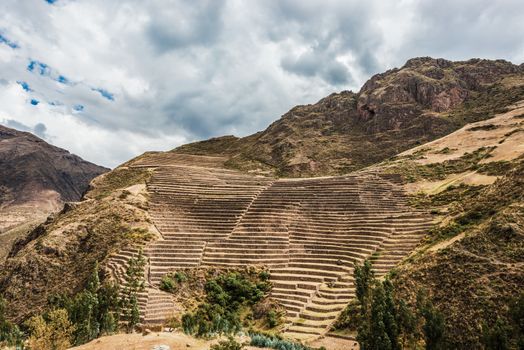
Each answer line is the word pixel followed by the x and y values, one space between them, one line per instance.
pixel 425 99
pixel 36 178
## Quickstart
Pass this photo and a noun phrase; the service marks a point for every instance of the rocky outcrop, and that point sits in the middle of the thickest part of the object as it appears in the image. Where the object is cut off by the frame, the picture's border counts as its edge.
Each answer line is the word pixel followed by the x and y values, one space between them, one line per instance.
pixel 425 99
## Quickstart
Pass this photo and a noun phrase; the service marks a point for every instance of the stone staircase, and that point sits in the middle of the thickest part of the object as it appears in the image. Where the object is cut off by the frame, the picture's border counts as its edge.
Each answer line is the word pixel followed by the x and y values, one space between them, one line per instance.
pixel 308 232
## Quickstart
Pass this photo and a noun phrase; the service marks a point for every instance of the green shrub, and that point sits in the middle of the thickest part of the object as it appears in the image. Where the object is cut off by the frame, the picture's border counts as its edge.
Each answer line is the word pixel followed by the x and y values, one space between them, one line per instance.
pixel 264 275
pixel 167 284
pixel 272 319
pixel 226 296
pixel 180 277
pixel 264 341
pixel 229 344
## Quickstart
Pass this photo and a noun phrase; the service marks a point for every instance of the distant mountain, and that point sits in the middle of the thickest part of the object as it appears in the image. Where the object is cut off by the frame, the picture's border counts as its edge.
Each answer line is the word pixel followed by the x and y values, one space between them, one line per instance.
pixel 36 178
pixel 404 107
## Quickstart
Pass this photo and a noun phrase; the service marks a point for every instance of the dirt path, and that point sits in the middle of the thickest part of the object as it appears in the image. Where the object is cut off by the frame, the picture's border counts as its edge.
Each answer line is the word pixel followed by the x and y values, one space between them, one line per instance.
pixel 153 341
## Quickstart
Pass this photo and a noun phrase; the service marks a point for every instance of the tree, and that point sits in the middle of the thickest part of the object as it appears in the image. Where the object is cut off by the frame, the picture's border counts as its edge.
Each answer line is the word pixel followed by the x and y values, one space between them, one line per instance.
pixel 516 311
pixel 407 322
pixel 434 326
pixel 134 284
pixel 379 338
pixel 390 315
pixel 108 307
pixel 364 282
pixel 10 334
pixel 51 333
pixel 496 337
pixel 94 311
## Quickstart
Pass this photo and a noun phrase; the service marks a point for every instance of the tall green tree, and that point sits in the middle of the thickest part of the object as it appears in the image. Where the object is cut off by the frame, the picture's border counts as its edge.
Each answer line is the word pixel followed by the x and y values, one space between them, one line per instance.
pixel 407 322
pixel 516 311
pixel 378 336
pixel 364 282
pixel 434 325
pixel 94 311
pixel 134 284
pixel 390 315
pixel 497 337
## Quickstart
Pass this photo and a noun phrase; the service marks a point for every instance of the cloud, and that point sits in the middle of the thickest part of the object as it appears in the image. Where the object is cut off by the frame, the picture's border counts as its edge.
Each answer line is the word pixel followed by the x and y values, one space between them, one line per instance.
pixel 116 78
pixel 39 129
pixel 181 24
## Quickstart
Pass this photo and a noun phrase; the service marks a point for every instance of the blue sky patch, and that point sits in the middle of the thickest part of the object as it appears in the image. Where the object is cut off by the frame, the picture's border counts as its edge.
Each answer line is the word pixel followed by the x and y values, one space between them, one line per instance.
pixel 51 1
pixel 24 85
pixel 8 42
pixel 78 108
pixel 106 94
pixel 34 102
pixel 63 80
pixel 38 67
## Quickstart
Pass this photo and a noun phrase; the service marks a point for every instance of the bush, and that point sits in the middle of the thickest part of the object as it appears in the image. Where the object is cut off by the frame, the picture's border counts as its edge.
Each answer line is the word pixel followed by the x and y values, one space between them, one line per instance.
pixel 167 284
pixel 264 275
pixel 264 341
pixel 180 277
pixel 226 296
pixel 272 319
pixel 229 344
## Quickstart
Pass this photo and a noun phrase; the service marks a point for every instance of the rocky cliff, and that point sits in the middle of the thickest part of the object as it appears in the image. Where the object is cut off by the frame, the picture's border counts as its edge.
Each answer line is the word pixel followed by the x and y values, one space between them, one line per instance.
pixel 394 111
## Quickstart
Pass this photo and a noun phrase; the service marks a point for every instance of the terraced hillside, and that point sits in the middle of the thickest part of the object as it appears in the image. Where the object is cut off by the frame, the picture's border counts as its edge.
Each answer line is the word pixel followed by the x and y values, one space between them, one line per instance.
pixel 308 232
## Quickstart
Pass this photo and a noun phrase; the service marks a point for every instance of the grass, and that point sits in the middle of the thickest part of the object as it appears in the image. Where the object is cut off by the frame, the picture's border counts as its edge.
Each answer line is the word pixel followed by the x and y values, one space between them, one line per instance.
pixel 119 178
pixel 413 172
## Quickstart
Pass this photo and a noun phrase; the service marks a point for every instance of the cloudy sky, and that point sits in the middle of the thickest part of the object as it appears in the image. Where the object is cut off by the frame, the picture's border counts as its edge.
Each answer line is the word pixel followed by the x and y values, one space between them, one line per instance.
pixel 110 79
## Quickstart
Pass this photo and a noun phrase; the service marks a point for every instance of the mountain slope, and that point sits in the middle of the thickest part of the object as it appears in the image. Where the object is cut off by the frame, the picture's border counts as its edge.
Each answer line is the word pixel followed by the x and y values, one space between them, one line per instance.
pixel 472 262
pixel 394 111
pixel 36 178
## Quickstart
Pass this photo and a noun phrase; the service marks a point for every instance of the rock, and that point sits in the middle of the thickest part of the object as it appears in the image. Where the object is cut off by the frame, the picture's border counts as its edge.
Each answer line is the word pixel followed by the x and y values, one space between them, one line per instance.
pixel 161 347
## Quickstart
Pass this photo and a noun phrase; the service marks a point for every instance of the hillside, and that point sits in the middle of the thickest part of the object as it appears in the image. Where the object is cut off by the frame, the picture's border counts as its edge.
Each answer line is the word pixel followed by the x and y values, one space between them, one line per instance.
pixel 422 174
pixel 472 180
pixel 425 99
pixel 36 178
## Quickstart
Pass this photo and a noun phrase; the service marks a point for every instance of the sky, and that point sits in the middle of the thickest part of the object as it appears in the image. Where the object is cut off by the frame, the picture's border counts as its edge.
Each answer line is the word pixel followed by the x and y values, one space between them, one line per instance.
pixel 111 79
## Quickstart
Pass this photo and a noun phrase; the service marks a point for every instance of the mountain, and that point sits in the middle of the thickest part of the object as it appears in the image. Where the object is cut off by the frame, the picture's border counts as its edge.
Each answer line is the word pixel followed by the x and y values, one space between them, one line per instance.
pixel 425 99
pixel 36 179
pixel 431 156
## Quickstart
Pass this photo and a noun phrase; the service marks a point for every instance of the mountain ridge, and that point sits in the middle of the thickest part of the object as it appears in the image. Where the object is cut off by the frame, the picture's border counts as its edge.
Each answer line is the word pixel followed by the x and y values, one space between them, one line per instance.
pixel 425 99
pixel 36 179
